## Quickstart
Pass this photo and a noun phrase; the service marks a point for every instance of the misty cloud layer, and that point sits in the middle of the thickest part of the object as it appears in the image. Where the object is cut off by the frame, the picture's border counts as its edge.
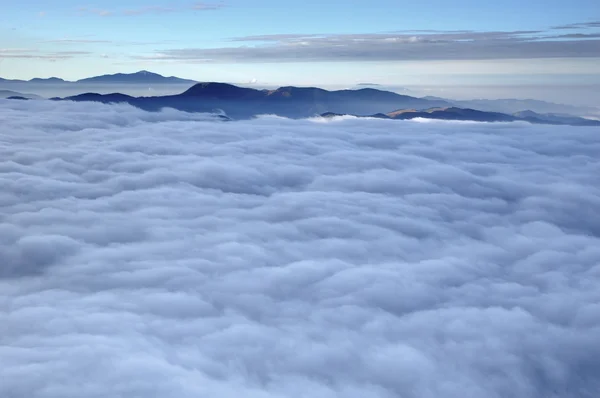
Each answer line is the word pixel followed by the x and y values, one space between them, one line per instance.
pixel 171 255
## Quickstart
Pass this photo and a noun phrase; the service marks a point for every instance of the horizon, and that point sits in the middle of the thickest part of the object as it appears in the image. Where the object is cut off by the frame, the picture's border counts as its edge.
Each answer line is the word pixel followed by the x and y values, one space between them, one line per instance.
pixel 465 50
pixel 49 89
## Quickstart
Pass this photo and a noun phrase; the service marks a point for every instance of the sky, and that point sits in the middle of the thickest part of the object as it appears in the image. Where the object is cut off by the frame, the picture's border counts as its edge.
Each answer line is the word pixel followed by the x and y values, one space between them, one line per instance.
pixel 169 255
pixel 513 43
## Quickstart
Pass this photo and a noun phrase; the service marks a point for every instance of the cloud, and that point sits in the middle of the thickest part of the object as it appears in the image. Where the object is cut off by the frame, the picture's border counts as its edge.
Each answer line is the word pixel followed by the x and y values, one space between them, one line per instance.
pixel 169 255
pixel 402 37
pixel 198 6
pixel 582 25
pixel 207 6
pixel 457 45
pixel 149 10
pixel 91 40
pixel 96 11
pixel 41 55
pixel 77 41
pixel 14 50
pixel 578 36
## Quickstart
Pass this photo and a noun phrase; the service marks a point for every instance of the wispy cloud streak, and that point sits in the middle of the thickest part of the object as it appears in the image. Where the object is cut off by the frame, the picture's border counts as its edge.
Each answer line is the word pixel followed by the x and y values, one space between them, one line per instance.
pixel 461 45
pixel 155 9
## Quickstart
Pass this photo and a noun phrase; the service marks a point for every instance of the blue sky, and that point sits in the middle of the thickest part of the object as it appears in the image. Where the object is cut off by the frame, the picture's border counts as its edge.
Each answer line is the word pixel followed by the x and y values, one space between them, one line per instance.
pixel 307 42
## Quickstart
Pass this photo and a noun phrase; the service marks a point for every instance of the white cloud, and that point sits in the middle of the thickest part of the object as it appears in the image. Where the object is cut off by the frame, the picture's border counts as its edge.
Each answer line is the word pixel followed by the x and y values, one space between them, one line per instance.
pixel 169 255
pixel 396 46
pixel 198 6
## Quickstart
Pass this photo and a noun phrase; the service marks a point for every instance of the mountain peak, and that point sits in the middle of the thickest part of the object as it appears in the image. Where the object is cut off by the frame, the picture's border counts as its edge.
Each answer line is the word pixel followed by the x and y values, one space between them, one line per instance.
pixel 143 77
pixel 219 90
pixel 47 80
pixel 147 73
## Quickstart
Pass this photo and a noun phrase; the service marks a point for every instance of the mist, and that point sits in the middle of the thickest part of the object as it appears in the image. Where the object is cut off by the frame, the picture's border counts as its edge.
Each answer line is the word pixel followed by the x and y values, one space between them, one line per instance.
pixel 169 254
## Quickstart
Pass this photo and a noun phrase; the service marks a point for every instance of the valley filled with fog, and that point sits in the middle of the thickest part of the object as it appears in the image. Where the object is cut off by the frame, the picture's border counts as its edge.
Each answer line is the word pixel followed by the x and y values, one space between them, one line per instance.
pixel 171 254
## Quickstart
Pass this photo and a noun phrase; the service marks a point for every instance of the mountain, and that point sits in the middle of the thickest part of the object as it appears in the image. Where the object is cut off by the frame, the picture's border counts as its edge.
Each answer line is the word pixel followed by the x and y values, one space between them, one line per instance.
pixel 554 118
pixel 374 116
pixel 104 98
pixel 139 83
pixel 294 102
pixel 300 102
pixel 465 114
pixel 220 91
pixel 518 105
pixel 48 80
pixel 11 81
pixel 363 99
pixel 141 77
pixel 453 113
pixel 34 80
pixel 10 93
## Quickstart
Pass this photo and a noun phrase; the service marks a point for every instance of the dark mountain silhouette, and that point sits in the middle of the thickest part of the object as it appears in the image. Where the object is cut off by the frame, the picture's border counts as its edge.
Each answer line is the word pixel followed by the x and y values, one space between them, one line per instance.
pixel 465 114
pixel 141 77
pixel 48 80
pixel 16 97
pixel 299 102
pixel 294 102
pixel 453 113
pixel 104 98
pixel 220 91
pixel 10 93
pixel 374 116
pixel 518 105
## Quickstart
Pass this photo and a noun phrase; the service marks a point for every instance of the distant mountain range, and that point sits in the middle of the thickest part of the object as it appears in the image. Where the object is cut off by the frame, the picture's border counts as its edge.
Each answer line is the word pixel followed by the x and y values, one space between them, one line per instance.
pixel 301 102
pixel 141 77
pixel 465 114
pixel 294 102
pixel 48 80
pixel 518 105
pixel 10 93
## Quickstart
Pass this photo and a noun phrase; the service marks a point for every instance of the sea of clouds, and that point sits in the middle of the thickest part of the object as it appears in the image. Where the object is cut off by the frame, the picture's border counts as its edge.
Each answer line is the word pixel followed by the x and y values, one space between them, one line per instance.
pixel 170 255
